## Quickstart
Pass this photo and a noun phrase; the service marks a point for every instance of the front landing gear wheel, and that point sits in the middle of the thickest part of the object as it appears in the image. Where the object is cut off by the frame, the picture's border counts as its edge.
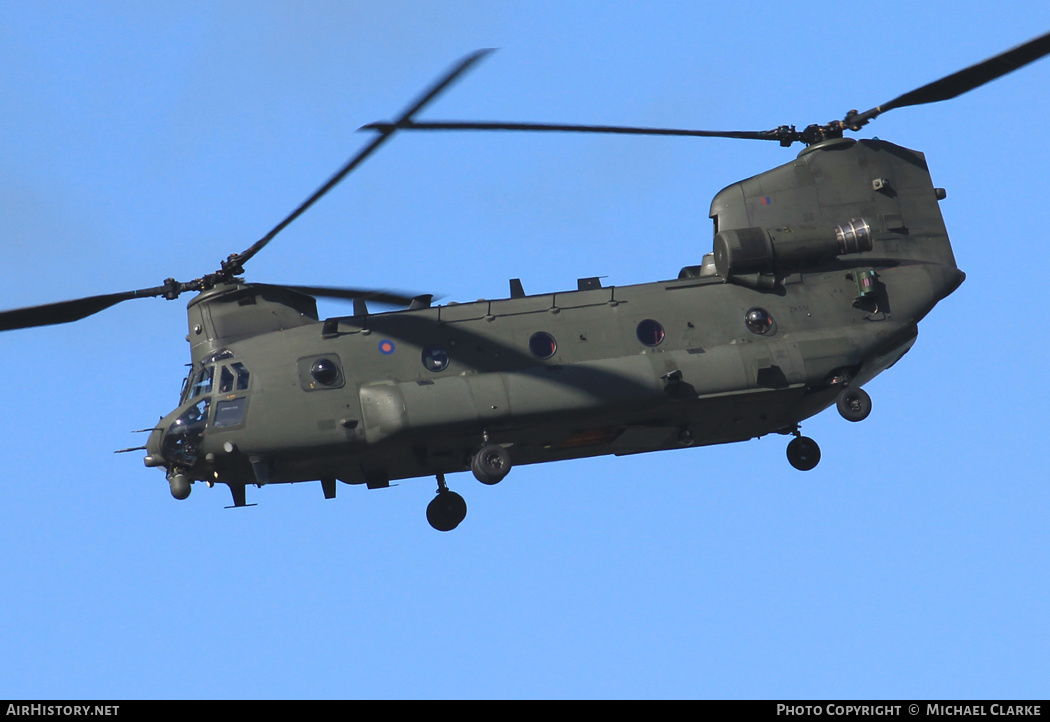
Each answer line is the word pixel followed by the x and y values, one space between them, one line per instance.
pixel 446 510
pixel 803 453
pixel 490 464
pixel 854 404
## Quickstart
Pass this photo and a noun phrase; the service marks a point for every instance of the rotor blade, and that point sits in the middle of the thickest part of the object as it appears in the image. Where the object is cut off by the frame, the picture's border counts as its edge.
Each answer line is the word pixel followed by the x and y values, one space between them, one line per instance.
pixel 68 311
pixel 392 298
pixel 409 124
pixel 963 81
pixel 455 72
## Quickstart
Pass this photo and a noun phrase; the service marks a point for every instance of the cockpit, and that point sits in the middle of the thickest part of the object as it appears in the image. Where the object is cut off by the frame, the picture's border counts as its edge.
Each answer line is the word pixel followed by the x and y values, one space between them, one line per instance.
pixel 219 381
pixel 233 376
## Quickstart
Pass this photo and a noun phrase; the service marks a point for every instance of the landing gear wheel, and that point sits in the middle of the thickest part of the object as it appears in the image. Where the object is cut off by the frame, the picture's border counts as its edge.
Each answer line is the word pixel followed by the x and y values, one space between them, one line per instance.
pixel 854 404
pixel 446 510
pixel 803 453
pixel 490 464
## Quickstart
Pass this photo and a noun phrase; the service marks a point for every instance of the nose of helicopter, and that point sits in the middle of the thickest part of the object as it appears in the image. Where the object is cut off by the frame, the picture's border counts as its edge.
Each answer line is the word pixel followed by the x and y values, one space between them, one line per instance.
pixel 154 457
pixel 155 442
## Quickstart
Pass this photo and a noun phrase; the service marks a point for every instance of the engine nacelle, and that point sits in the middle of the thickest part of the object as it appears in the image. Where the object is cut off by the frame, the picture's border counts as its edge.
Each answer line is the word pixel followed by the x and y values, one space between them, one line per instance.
pixel 787 248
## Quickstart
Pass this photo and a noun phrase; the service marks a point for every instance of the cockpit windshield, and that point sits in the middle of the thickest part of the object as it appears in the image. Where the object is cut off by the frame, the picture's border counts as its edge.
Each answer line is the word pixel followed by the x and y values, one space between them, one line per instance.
pixel 232 377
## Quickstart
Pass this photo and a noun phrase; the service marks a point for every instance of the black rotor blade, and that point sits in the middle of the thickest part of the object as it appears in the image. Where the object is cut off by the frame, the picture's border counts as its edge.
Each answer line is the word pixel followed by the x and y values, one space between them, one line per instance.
pixel 441 84
pixel 409 124
pixel 77 309
pixel 392 298
pixel 68 311
pixel 963 81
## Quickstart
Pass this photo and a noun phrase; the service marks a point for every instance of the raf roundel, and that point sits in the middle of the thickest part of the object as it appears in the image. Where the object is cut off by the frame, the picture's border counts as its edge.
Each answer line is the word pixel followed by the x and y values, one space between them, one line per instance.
pixel 386 347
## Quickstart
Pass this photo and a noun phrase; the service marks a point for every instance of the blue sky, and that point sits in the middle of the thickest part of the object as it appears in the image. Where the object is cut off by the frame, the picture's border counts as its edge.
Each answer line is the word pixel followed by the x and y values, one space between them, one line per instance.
pixel 143 141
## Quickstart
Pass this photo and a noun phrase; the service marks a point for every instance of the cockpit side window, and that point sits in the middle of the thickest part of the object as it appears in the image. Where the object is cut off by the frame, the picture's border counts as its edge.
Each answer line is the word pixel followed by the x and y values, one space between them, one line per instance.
pixel 183 438
pixel 233 377
pixel 226 380
pixel 202 382
pixel 242 376
pixel 189 385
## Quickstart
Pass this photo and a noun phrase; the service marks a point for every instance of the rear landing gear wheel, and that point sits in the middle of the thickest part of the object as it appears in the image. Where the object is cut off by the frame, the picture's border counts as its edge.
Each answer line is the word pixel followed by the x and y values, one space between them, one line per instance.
pixel 854 404
pixel 490 464
pixel 803 453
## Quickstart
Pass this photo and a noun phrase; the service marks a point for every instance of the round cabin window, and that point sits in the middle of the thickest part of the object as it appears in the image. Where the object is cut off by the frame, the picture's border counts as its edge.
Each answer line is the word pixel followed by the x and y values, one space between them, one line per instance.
pixel 435 358
pixel 542 345
pixel 650 332
pixel 325 371
pixel 758 320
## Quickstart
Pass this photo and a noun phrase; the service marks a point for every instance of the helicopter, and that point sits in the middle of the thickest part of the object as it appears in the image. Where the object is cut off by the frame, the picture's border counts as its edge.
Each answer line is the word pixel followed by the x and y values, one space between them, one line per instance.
pixel 820 271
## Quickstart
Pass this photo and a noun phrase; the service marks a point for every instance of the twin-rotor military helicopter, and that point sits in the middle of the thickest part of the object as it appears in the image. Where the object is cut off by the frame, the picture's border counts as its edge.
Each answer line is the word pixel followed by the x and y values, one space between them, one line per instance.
pixel 820 271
